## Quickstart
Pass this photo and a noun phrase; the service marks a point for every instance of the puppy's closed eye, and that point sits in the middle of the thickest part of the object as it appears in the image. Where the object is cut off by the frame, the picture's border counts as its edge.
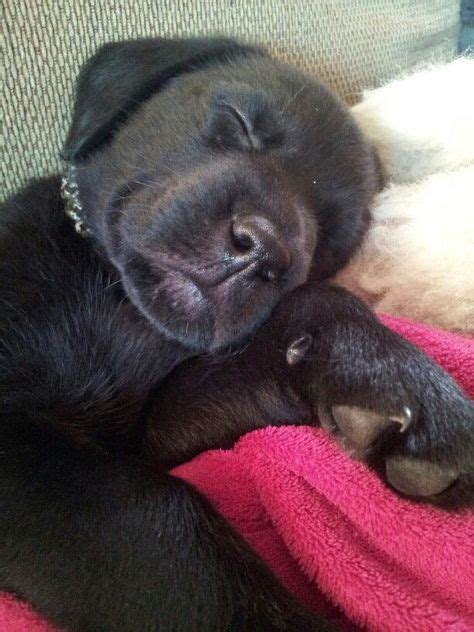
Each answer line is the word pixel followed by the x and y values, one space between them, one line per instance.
pixel 242 118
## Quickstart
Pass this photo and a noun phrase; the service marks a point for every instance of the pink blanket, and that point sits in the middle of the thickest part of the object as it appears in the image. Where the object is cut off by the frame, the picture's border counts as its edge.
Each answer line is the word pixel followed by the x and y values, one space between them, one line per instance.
pixel 334 534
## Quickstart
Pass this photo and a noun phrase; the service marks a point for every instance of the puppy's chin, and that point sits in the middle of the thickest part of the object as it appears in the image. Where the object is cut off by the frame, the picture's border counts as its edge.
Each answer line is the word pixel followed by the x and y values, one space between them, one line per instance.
pixel 200 319
pixel 173 304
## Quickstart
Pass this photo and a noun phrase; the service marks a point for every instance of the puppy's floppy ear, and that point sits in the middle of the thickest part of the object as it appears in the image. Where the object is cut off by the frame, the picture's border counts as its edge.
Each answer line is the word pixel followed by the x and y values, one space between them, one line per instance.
pixel 121 75
pixel 241 117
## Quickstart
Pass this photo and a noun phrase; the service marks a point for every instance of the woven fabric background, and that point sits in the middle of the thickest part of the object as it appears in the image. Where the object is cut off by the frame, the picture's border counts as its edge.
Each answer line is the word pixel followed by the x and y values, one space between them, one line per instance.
pixel 352 45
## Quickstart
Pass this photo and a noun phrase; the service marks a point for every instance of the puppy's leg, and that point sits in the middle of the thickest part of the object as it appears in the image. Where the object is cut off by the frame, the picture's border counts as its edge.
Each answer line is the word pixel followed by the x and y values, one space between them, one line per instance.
pixel 94 544
pixel 324 354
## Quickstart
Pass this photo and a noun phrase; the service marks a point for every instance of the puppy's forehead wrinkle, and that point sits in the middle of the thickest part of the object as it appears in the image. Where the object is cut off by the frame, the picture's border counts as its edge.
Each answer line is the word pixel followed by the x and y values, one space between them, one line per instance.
pixel 190 184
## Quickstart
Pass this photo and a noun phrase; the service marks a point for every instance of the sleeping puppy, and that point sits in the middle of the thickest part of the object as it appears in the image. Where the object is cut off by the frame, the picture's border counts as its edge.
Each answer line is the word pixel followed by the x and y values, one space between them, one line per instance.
pixel 213 191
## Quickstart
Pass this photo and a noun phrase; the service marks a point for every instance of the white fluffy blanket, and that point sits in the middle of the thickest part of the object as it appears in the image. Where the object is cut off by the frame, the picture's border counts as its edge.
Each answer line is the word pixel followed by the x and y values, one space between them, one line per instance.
pixel 418 257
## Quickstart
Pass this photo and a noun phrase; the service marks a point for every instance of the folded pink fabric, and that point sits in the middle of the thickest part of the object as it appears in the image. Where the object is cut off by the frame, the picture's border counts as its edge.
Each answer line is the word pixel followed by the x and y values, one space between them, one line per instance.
pixel 335 535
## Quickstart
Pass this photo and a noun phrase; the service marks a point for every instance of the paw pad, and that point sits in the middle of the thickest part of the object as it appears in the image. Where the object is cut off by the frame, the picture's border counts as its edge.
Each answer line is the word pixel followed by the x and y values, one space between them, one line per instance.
pixel 358 428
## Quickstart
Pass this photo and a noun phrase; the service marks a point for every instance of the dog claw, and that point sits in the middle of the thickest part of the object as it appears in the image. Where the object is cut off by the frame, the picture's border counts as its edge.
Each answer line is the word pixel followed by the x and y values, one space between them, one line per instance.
pixel 418 477
pixel 298 349
pixel 404 420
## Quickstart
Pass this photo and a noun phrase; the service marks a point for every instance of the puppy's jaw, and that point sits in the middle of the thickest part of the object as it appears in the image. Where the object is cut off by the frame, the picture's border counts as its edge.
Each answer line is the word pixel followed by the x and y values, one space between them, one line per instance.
pixel 206 316
pixel 176 307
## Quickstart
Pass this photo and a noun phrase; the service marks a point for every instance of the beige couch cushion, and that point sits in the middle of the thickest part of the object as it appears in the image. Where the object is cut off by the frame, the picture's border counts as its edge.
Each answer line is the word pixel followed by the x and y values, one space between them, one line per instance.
pixel 351 44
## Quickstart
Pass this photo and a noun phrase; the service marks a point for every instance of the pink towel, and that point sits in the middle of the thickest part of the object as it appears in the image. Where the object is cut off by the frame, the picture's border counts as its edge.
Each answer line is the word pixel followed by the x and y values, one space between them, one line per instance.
pixel 335 535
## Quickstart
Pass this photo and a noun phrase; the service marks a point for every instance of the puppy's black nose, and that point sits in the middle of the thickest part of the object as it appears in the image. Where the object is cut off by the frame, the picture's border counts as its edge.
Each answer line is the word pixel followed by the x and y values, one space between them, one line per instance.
pixel 255 238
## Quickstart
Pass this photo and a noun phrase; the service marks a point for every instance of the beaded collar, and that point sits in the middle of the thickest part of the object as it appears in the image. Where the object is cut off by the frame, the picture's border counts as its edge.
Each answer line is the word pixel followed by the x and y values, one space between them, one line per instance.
pixel 72 201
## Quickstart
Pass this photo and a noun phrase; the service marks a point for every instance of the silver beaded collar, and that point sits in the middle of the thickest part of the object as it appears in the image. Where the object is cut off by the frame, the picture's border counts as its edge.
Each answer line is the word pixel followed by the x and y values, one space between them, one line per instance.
pixel 72 201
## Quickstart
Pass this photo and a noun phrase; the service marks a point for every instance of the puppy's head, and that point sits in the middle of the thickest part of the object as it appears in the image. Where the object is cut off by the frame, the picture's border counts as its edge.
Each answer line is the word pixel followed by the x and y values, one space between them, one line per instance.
pixel 195 184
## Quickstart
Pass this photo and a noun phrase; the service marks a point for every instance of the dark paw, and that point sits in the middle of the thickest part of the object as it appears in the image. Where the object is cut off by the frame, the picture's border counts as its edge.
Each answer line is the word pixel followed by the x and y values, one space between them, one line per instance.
pixel 386 402
pixel 358 430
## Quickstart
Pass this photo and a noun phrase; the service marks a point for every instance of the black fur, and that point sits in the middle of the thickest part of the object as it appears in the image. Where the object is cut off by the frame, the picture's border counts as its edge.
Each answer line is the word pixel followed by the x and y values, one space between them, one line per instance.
pixel 221 189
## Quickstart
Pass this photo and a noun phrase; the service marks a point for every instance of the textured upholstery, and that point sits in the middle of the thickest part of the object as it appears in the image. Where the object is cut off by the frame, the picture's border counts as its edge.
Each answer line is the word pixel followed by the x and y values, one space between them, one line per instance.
pixel 466 39
pixel 351 44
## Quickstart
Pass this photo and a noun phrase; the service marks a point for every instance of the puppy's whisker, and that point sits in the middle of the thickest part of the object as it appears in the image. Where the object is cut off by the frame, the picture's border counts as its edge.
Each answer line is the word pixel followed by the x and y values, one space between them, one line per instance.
pixel 112 284
pixel 143 184
pixel 295 95
pixel 210 264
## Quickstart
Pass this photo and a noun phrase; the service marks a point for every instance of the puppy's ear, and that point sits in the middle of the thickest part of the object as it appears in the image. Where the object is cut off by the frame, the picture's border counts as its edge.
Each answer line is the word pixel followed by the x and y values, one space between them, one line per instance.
pixel 121 75
pixel 241 117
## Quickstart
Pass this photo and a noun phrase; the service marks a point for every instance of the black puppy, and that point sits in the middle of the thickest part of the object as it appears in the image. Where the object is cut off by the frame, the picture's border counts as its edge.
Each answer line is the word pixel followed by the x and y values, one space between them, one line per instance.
pixel 216 189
